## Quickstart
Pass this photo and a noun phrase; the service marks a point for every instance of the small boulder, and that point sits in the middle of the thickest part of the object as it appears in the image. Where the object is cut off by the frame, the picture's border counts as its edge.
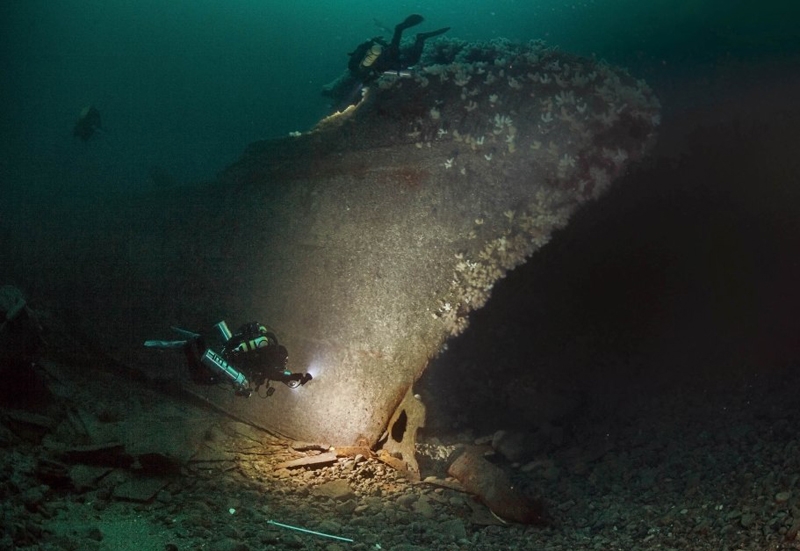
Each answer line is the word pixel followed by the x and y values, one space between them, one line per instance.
pixel 338 490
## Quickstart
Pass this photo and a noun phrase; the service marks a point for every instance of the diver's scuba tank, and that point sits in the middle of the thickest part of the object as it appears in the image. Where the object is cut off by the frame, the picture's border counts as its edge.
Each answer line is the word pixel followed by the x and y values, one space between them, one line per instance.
pixel 250 336
pixel 372 54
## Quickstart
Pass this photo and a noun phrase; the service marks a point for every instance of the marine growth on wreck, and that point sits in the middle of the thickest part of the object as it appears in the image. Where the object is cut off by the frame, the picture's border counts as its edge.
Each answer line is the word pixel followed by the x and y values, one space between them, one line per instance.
pixel 366 241
pixel 499 111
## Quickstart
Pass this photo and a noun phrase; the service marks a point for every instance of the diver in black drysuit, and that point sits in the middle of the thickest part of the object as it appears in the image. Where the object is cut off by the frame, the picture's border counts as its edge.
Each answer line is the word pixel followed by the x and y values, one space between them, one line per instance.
pixel 374 57
pixel 254 349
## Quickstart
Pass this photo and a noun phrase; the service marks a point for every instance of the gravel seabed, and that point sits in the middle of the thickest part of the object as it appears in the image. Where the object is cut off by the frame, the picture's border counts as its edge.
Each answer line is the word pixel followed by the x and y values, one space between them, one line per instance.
pixel 678 471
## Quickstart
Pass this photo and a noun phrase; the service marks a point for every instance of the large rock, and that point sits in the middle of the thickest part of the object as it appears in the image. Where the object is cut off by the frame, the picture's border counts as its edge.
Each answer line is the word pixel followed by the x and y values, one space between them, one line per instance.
pixel 365 242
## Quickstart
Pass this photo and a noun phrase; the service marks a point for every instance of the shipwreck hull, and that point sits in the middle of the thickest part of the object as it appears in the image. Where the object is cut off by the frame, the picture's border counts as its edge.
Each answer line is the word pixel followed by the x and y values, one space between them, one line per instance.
pixel 365 242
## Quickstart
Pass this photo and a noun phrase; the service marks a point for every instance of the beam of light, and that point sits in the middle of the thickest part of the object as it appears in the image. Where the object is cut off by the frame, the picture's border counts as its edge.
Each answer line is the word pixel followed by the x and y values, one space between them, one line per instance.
pixel 315 368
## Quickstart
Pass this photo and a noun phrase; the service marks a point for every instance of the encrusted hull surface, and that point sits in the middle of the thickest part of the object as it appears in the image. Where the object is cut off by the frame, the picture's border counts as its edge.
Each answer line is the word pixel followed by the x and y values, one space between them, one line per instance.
pixel 365 242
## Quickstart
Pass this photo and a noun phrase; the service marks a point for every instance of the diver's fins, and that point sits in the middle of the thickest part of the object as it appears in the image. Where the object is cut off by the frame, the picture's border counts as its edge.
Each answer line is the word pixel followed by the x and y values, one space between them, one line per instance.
pixel 431 34
pixel 165 344
pixel 410 21
pixel 188 335
pixel 185 333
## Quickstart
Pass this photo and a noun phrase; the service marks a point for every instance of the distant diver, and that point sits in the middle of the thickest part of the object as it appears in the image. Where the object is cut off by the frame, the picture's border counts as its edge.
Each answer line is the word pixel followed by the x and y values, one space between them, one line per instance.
pixel 375 57
pixel 88 123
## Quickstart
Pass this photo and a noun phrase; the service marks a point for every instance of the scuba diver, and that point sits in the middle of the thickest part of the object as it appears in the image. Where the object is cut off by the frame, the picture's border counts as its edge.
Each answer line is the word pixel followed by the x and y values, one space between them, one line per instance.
pixel 375 57
pixel 372 58
pixel 255 350
pixel 87 124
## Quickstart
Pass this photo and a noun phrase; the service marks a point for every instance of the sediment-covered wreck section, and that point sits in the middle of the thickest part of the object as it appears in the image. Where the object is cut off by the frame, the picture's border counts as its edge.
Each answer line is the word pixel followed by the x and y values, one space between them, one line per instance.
pixel 381 229
pixel 366 241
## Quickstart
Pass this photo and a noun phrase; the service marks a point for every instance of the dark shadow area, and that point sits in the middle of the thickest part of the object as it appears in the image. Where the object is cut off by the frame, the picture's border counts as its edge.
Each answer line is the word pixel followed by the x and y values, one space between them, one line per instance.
pixel 682 278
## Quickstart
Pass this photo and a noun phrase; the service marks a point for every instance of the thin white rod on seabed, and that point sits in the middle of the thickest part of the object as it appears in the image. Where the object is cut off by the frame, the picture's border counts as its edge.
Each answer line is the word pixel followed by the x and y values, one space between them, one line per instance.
pixel 308 531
